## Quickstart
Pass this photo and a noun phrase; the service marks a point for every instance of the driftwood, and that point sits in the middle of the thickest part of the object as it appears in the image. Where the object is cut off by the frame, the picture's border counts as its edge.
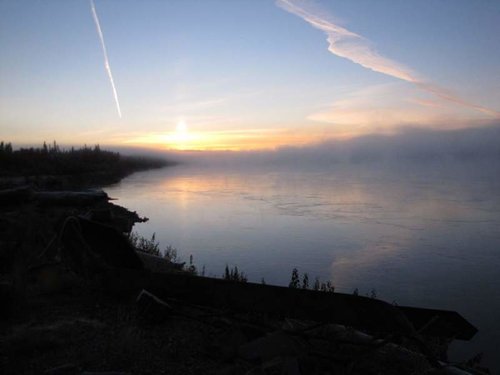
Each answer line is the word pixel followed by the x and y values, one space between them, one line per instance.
pixel 76 198
pixel 359 312
pixel 363 313
pixel 26 193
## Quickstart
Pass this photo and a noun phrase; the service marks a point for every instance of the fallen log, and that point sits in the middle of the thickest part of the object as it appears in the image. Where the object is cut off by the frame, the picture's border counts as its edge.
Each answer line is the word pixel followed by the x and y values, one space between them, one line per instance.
pixel 26 193
pixel 363 313
pixel 439 323
pixel 76 198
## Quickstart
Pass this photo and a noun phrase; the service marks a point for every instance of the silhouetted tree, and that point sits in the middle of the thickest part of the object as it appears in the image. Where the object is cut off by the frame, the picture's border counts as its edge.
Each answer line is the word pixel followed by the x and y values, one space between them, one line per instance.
pixel 316 284
pixel 294 281
pixel 305 281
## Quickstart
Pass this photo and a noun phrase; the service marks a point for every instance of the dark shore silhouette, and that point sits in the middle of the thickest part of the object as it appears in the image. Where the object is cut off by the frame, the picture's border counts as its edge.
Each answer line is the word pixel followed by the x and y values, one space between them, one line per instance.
pixel 51 166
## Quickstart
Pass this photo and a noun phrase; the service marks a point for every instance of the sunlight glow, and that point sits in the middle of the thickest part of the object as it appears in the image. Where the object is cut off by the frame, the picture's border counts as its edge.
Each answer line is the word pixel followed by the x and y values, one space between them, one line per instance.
pixel 181 138
pixel 181 127
pixel 232 140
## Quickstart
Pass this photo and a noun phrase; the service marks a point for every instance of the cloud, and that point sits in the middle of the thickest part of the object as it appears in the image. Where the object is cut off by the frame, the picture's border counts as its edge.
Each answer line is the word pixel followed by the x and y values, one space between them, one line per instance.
pixel 356 48
pixel 387 107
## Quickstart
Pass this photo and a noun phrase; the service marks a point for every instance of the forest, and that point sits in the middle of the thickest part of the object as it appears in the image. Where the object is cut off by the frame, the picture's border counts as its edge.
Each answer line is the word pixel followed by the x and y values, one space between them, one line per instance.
pixel 53 160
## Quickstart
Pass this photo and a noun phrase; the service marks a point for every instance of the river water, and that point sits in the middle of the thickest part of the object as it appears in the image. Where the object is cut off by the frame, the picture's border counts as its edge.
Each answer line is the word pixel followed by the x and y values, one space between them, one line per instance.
pixel 417 234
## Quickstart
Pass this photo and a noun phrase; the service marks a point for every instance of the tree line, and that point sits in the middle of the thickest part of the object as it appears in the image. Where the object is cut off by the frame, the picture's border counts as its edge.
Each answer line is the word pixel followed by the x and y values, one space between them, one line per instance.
pixel 51 159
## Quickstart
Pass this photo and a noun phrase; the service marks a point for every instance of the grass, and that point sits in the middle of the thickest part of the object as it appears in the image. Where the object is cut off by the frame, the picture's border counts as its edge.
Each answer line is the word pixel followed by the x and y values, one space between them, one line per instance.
pixel 152 246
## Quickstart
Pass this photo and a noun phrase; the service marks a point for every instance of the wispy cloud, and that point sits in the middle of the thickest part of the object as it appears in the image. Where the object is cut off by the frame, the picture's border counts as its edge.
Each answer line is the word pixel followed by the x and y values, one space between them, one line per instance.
pixel 356 48
pixel 105 53
pixel 387 107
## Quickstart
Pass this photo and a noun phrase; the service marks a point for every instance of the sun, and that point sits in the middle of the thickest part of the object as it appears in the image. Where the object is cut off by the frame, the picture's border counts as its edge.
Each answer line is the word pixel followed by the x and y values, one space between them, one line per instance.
pixel 181 137
pixel 181 128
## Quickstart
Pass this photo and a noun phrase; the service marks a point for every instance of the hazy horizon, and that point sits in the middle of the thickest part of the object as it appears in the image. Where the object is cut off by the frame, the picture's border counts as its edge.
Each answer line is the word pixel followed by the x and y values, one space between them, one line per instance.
pixel 410 144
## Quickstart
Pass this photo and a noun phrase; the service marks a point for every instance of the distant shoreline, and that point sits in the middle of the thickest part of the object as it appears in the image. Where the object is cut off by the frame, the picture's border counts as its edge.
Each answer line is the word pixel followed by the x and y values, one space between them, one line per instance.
pixel 53 168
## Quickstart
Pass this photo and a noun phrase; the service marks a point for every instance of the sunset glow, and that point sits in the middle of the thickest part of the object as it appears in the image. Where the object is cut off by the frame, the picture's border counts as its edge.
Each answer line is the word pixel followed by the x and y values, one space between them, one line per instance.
pixel 240 140
pixel 187 79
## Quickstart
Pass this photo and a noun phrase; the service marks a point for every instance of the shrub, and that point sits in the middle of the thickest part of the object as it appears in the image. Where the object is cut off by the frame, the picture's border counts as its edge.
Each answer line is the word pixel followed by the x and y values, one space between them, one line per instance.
pixel 192 268
pixel 140 243
pixel 317 286
pixel 152 247
pixel 234 274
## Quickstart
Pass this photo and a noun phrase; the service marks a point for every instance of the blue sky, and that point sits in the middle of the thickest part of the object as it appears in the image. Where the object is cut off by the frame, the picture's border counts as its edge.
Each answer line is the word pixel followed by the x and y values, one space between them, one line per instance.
pixel 243 74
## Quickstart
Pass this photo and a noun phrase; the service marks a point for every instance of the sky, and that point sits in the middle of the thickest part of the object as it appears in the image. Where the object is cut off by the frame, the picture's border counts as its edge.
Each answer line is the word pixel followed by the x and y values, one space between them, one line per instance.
pixel 244 75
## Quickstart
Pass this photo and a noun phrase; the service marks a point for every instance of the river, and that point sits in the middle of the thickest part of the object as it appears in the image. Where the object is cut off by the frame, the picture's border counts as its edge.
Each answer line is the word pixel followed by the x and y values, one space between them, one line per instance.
pixel 417 234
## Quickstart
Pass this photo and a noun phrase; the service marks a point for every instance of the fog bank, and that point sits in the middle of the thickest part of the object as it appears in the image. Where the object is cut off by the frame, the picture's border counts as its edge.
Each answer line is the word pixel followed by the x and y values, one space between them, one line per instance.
pixel 409 145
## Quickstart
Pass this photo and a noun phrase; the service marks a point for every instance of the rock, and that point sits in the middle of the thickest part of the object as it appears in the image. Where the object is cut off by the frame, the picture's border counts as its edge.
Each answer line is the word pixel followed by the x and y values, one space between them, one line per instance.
pixel 49 278
pixel 225 346
pixel 111 245
pixel 16 195
pixel 90 247
pixel 7 296
pixel 66 369
pixel 453 370
pixel 276 344
pixel 151 308
pixel 279 365
pixel 47 337
pixel 282 365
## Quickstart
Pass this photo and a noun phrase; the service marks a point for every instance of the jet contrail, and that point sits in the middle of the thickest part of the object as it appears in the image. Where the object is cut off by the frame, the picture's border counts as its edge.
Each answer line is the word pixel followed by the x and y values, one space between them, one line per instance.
pixel 354 47
pixel 105 53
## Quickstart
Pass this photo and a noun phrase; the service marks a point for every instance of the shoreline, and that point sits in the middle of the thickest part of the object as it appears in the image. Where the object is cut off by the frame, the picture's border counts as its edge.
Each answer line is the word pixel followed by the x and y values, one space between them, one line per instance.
pixel 95 180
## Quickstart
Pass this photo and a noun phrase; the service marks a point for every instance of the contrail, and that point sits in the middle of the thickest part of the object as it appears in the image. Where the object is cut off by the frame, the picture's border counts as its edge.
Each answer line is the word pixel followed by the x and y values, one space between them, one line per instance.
pixel 105 53
pixel 354 47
